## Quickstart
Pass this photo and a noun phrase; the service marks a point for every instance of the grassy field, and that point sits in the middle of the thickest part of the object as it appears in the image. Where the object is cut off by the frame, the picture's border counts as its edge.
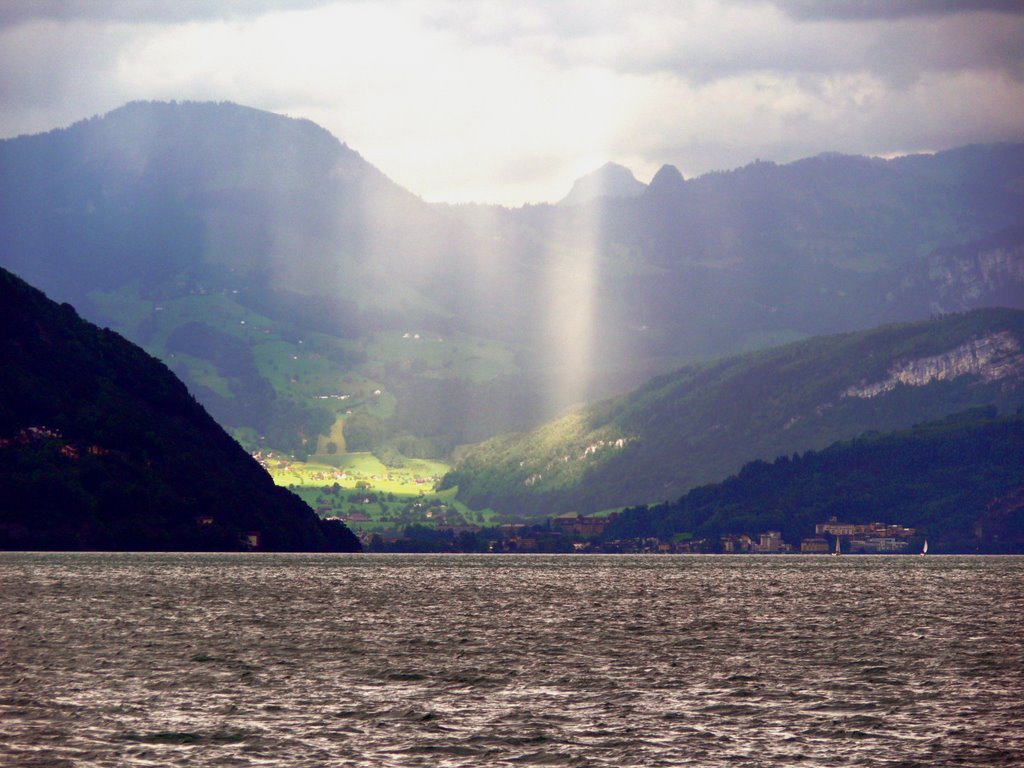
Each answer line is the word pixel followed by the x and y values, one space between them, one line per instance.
pixel 364 469
pixel 336 436
pixel 372 496
pixel 305 366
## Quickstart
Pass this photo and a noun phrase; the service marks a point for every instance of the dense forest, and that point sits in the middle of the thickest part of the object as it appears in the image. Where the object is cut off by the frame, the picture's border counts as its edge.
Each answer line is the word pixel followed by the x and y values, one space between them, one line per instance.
pixel 958 481
pixel 102 447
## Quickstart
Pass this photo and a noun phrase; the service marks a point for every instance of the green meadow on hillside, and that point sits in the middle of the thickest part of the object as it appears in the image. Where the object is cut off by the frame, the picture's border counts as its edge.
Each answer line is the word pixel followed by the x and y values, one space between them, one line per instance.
pixel 372 496
pixel 279 388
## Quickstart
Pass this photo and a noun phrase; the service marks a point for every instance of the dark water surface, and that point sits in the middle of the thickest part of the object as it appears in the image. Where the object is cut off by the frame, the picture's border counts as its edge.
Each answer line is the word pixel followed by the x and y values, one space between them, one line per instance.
pixel 271 660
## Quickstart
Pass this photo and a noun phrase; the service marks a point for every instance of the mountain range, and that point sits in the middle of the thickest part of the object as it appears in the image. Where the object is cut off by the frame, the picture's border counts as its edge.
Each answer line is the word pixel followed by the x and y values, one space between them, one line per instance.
pixel 303 296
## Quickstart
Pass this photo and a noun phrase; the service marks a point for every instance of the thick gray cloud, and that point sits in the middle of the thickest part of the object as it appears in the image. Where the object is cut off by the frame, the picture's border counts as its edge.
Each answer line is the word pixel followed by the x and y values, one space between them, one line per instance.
pixel 705 41
pixel 893 9
pixel 14 12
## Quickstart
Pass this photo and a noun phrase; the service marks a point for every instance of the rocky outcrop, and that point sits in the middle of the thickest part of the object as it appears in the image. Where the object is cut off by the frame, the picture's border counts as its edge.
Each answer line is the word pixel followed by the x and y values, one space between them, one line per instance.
pixel 963 281
pixel 610 180
pixel 991 358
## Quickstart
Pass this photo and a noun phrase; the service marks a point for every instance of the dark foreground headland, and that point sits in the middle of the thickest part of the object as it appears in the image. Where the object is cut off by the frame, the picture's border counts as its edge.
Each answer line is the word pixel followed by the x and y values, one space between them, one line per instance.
pixel 103 448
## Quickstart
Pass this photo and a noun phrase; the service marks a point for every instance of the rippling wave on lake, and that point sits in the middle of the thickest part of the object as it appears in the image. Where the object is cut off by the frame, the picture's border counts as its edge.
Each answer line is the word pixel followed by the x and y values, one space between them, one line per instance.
pixel 357 660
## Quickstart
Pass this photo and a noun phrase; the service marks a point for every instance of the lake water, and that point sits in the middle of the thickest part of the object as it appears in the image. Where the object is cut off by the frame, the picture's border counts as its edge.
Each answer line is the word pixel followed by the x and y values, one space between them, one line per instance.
pixel 367 660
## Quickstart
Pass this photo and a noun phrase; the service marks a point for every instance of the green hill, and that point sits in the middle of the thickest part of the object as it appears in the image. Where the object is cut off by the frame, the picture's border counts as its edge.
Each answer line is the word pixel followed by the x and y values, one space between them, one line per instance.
pixel 703 422
pixel 102 447
pixel 959 482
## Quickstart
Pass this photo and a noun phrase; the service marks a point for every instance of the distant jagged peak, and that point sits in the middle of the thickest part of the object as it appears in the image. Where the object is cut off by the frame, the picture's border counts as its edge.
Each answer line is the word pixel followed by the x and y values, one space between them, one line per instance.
pixel 610 180
pixel 668 179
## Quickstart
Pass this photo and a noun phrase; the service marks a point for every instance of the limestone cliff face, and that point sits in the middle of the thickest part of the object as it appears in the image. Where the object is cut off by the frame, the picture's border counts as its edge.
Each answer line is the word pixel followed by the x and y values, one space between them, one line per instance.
pixel 964 281
pixel 990 358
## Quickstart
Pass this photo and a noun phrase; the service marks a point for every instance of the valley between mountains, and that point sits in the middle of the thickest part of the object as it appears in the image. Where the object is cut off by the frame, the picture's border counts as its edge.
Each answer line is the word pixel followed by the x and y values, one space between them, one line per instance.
pixel 433 372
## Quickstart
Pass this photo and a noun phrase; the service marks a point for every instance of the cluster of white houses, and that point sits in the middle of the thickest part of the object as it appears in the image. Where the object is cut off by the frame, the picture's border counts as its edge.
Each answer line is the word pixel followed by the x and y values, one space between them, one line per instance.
pixel 864 538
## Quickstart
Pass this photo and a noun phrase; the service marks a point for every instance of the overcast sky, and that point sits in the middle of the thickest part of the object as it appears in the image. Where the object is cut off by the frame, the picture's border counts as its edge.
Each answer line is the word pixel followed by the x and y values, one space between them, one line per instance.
pixel 509 101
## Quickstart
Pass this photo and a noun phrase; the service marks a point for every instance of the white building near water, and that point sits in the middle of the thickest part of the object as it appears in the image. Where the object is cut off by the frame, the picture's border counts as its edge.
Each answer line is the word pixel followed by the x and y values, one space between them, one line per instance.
pixel 879 545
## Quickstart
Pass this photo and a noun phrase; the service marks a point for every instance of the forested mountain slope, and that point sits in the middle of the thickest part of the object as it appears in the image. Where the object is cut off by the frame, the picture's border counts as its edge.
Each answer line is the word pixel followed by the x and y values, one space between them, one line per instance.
pixel 705 421
pixel 101 447
pixel 958 482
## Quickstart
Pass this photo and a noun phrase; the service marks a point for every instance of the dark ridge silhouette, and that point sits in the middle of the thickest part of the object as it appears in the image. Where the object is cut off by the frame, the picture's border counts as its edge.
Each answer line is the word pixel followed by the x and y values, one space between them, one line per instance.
pixel 103 448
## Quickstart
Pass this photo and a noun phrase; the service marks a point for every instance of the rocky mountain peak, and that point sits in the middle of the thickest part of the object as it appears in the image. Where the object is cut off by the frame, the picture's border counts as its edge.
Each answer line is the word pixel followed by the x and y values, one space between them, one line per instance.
pixel 668 179
pixel 610 180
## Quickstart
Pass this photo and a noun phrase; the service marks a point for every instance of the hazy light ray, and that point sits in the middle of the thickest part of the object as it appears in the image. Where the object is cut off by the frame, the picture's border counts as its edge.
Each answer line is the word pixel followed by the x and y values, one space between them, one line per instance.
pixel 573 276
pixel 571 283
